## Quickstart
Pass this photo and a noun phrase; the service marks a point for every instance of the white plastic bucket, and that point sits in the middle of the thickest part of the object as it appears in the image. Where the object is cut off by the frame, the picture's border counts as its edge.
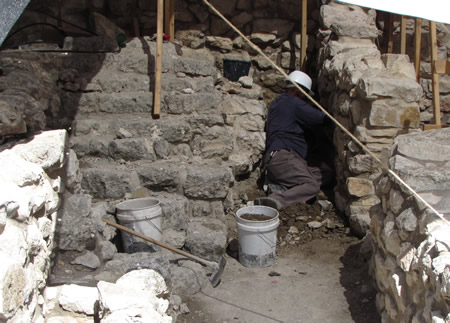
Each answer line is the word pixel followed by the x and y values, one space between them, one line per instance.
pixel 257 239
pixel 142 215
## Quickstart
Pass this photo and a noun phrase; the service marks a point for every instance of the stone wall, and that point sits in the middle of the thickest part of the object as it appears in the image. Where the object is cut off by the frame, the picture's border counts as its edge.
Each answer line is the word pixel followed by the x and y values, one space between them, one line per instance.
pixel 196 27
pixel 411 261
pixel 375 97
pixel 443 51
pixel 30 196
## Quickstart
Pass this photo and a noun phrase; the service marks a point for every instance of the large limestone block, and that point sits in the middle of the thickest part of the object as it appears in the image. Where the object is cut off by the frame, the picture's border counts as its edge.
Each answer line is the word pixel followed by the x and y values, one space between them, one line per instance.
pixel 223 44
pixel 205 208
pixel 12 119
pixel 236 107
pixel 160 175
pixel 13 281
pixel 123 263
pixel 175 130
pixel 78 299
pixel 394 113
pixel 129 300
pixel 13 244
pixel 17 100
pixel 248 151
pixel 126 102
pixel 108 81
pixel 188 278
pixel 176 103
pixel 75 232
pixel 207 181
pixel 349 20
pixel 432 145
pixel 104 182
pixel 359 218
pixel 355 67
pixel 175 211
pixel 191 38
pixel 213 142
pixel 188 84
pixel 354 59
pixel 27 185
pixel 206 238
pixel 132 149
pixel 360 164
pixel 345 44
pixel 399 64
pixel 193 67
pixel 91 145
pixel 421 178
pixel 382 84
pixel 360 187
pixel 146 280
pixel 136 58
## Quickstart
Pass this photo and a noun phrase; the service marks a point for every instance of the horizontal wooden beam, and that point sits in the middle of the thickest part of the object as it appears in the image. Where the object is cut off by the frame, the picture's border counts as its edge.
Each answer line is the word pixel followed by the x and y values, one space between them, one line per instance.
pixel 434 126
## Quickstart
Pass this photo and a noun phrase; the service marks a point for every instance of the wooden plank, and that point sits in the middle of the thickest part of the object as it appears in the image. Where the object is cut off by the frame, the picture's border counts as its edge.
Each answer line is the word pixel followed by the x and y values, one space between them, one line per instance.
pixel 304 40
pixel 403 35
pixel 170 19
pixel 435 75
pixel 158 67
pixel 434 126
pixel 137 32
pixel 390 33
pixel 442 67
pixel 417 46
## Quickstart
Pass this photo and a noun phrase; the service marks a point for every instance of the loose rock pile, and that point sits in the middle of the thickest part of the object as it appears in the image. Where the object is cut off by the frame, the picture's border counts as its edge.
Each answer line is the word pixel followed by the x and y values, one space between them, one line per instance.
pixel 302 222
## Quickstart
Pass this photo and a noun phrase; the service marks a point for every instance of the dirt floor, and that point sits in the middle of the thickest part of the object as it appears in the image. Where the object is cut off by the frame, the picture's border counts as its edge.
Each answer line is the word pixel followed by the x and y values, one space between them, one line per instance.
pixel 319 275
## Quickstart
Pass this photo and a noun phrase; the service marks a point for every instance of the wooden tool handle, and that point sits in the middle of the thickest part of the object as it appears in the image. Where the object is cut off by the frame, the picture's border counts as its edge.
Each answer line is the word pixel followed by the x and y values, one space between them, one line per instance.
pixel 161 244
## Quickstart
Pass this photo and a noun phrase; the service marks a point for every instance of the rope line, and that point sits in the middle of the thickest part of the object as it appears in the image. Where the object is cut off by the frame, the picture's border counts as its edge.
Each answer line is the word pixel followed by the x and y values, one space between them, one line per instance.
pixel 385 168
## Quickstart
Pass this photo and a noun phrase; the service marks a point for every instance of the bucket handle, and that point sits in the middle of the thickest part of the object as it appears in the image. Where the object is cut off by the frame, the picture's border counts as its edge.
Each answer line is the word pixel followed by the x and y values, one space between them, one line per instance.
pixel 153 225
pixel 266 240
pixel 148 220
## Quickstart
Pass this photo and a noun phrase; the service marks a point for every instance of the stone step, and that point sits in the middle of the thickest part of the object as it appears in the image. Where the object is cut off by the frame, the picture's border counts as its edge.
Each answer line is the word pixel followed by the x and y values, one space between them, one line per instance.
pixel 136 102
pixel 174 129
pixel 110 81
pixel 127 102
pixel 139 57
pixel 203 180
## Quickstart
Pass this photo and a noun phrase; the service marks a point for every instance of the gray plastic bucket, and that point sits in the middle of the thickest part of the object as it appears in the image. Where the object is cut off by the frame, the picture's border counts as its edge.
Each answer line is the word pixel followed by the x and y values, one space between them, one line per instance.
pixel 257 239
pixel 142 215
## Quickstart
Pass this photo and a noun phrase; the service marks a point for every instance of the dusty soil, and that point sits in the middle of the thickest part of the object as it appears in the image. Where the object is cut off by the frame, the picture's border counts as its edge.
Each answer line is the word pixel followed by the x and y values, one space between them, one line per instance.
pixel 319 275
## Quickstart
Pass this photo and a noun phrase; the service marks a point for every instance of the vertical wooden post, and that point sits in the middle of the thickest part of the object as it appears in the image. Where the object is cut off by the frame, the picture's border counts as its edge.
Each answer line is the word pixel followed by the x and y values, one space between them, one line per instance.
pixel 158 67
pixel 169 20
pixel 403 35
pixel 137 32
pixel 435 75
pixel 304 40
pixel 417 45
pixel 390 32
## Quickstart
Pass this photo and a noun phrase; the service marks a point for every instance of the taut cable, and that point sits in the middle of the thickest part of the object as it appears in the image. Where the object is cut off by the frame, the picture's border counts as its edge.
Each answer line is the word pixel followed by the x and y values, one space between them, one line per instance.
pixel 279 69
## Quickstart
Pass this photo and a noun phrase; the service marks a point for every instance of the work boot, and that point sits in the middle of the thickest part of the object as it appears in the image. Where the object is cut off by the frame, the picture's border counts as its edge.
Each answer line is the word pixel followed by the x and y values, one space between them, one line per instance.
pixel 268 201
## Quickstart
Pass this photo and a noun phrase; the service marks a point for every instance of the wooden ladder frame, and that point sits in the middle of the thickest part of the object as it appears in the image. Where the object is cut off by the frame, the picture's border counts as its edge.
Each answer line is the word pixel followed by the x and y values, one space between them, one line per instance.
pixel 437 66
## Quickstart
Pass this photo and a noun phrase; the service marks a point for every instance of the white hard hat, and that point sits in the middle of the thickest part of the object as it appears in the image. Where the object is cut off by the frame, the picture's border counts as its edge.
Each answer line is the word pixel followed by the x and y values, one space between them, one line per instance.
pixel 302 79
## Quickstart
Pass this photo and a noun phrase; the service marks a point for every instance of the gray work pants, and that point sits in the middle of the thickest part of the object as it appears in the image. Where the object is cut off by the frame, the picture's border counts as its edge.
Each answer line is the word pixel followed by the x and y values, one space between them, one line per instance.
pixel 290 170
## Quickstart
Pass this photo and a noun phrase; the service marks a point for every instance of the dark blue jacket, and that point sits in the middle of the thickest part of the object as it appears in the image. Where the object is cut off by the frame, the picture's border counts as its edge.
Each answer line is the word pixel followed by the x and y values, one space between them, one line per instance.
pixel 288 117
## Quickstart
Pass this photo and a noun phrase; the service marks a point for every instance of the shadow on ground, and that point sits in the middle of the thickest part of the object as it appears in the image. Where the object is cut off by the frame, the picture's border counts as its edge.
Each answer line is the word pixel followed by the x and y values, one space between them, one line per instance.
pixel 360 289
